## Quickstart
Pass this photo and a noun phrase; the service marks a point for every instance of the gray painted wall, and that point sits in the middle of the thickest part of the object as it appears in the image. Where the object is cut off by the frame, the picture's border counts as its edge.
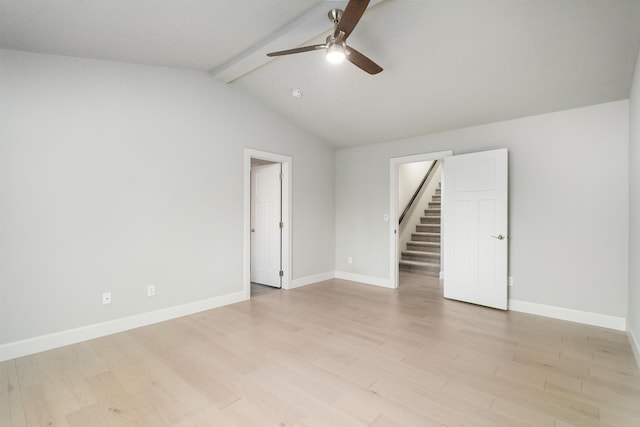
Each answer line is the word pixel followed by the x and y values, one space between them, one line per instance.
pixel 634 209
pixel 115 176
pixel 568 176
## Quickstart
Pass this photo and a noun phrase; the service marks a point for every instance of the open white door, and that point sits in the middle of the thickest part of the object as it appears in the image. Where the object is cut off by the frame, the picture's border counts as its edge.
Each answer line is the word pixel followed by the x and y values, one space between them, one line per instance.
pixel 265 224
pixel 475 227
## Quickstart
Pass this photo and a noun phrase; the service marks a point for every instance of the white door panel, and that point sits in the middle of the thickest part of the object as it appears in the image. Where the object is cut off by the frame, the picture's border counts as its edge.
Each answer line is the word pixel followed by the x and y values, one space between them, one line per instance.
pixel 265 224
pixel 474 216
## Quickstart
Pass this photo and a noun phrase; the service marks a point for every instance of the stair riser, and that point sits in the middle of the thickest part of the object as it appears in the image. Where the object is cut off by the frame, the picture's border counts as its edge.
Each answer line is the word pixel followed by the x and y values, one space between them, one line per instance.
pixel 436 199
pixel 427 271
pixel 428 228
pixel 435 205
pixel 427 257
pixel 413 247
pixel 432 212
pixel 429 220
pixel 422 238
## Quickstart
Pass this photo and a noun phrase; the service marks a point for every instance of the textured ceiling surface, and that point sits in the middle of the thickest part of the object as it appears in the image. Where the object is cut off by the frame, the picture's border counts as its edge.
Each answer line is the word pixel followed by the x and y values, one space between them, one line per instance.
pixel 447 63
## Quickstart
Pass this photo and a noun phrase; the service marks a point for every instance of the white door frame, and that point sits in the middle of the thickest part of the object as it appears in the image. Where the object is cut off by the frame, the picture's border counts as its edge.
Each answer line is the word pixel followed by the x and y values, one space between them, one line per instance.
pixel 394 166
pixel 286 162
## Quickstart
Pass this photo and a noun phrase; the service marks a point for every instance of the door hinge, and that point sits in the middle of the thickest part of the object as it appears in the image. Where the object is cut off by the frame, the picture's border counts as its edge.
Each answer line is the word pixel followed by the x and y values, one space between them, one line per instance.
pixel 281 273
pixel 281 225
pixel 281 176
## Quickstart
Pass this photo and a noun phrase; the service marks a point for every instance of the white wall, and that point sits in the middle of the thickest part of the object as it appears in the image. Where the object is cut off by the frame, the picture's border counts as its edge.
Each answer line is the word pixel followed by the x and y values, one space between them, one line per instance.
pixel 412 218
pixel 410 176
pixel 568 204
pixel 634 212
pixel 115 176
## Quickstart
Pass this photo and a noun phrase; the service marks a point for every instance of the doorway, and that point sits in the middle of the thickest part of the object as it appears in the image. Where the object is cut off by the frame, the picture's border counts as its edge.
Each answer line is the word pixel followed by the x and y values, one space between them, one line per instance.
pixel 475 225
pixel 394 247
pixel 267 219
pixel 266 223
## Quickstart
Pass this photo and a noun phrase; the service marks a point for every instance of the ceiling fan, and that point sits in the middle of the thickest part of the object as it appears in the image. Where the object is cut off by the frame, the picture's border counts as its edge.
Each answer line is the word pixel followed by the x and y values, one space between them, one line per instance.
pixel 336 45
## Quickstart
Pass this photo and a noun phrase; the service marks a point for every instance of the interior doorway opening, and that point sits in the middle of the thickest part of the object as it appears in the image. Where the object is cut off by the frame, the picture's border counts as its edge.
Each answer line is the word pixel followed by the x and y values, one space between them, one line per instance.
pixel 397 205
pixel 266 226
pixel 266 223
pixel 267 219
pixel 419 208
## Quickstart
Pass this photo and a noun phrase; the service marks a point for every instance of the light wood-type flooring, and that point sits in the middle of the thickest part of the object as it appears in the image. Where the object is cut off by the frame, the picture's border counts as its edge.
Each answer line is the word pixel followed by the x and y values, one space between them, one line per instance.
pixel 335 353
pixel 258 289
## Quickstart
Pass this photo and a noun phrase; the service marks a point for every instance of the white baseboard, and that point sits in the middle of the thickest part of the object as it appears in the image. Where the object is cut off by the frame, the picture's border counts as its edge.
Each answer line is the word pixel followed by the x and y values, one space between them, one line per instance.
pixel 635 344
pixel 84 333
pixel 308 280
pixel 585 317
pixel 369 280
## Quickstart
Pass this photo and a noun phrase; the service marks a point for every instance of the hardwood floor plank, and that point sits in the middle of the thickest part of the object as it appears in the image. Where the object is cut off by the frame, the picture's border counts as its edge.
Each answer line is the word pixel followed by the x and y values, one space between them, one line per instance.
pixel 516 375
pixel 384 421
pixel 357 410
pixel 361 377
pixel 456 390
pixel 12 411
pixel 520 412
pixel 89 416
pixel 207 418
pixel 244 413
pixel 114 403
pixel 301 396
pixel 383 368
pixel 611 411
pixel 42 405
pixel 67 379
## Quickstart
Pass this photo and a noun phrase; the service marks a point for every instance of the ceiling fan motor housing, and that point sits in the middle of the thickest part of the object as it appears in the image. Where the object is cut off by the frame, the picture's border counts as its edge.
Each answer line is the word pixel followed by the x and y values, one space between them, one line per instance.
pixel 335 15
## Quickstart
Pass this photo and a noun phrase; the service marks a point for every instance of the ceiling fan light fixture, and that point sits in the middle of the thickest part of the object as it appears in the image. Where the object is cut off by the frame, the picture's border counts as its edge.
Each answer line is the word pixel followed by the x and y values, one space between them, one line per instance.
pixel 335 53
pixel 335 47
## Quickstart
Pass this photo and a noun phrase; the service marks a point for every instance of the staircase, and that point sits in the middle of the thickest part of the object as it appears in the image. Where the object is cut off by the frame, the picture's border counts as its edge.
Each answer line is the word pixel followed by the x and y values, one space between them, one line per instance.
pixel 423 250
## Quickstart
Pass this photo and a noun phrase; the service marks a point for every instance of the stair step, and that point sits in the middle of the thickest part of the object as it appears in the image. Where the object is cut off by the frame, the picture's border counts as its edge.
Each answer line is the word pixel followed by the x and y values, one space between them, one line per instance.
pixel 422 253
pixel 425 237
pixel 424 246
pixel 428 228
pixel 425 268
pixel 430 257
pixel 430 219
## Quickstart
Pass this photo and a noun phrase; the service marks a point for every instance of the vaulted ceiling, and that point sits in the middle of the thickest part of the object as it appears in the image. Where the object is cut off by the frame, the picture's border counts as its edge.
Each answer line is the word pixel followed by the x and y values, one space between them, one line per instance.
pixel 447 63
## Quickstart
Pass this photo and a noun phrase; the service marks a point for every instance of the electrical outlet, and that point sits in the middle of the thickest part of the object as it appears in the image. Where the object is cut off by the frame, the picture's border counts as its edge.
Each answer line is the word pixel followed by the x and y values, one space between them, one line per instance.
pixel 106 298
pixel 349 260
pixel 510 281
pixel 151 290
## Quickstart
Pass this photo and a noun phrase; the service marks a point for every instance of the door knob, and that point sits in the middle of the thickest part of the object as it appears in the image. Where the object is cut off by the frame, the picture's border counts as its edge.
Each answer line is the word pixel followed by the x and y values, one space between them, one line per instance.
pixel 499 237
pixel 253 230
